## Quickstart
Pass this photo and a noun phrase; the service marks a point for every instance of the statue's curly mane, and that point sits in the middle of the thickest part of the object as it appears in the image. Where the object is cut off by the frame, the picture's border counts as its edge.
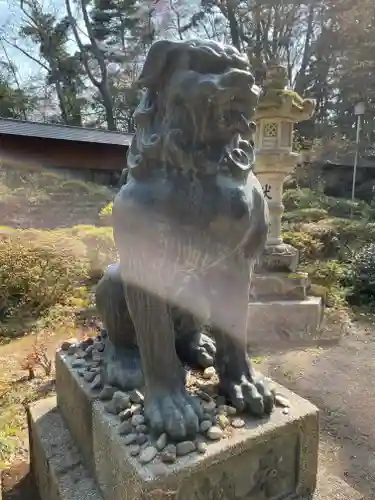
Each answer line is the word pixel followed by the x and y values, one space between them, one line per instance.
pixel 196 106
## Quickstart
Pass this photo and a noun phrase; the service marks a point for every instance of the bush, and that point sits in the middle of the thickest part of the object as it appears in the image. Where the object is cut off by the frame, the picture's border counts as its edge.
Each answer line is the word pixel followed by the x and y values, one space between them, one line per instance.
pixel 309 247
pixel 332 276
pixel 340 207
pixel 306 215
pixel 302 199
pixel 40 270
pixel 100 250
pixel 35 275
pixel 362 277
pixel 294 199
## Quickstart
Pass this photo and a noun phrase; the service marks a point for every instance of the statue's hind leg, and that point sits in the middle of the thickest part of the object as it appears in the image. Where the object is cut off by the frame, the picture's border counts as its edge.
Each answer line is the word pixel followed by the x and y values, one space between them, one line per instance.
pixel 121 360
pixel 193 344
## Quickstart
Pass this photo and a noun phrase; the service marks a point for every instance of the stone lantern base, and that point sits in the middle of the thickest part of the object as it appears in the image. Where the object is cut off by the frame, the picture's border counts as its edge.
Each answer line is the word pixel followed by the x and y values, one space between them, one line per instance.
pixel 281 309
pixel 284 325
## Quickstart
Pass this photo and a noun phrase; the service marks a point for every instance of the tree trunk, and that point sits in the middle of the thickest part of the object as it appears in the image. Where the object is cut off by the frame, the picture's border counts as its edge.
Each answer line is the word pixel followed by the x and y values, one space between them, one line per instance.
pixel 233 24
pixel 301 77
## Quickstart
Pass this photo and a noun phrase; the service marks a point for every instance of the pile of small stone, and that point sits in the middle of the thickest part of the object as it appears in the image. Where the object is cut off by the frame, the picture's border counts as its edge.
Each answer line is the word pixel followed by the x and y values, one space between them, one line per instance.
pixel 87 359
pixel 218 422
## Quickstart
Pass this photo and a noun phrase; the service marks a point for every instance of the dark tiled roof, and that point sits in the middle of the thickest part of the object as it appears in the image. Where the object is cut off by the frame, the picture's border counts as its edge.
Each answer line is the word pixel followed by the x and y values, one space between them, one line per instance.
pixel 347 161
pixel 62 132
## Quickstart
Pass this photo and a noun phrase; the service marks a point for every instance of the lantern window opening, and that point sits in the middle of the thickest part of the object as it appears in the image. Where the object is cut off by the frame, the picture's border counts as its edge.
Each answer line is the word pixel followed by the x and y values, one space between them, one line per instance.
pixel 270 129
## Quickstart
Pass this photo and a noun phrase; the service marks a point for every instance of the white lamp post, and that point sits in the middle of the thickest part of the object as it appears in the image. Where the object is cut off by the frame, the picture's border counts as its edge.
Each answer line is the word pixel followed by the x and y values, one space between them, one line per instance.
pixel 359 111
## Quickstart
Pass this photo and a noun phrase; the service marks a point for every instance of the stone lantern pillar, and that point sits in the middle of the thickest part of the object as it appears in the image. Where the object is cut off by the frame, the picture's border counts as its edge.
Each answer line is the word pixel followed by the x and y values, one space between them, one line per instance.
pixel 278 110
pixel 281 306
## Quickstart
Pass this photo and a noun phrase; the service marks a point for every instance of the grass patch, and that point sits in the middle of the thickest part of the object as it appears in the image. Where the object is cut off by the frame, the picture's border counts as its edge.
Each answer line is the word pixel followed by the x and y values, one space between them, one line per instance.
pixel 14 398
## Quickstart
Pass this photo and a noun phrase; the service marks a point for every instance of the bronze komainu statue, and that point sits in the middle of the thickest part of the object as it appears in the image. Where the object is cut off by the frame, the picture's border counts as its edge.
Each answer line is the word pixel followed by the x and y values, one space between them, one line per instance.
pixel 189 223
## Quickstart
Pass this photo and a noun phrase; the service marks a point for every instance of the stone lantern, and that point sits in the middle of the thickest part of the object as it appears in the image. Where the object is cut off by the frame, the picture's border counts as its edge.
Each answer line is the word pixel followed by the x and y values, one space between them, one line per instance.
pixel 277 111
pixel 281 306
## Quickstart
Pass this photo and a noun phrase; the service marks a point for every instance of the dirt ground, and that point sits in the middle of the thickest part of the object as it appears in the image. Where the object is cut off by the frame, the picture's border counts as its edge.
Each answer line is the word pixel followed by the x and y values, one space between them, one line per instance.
pixel 339 380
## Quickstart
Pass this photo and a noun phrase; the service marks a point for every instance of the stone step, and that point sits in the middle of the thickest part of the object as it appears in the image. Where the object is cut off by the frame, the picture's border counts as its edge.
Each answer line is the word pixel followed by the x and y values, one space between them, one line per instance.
pixel 58 469
pixel 277 325
pixel 280 286
pixel 55 461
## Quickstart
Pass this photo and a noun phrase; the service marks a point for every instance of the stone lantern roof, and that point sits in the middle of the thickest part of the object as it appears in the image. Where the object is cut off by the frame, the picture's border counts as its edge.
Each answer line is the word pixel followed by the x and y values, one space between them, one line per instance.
pixel 276 101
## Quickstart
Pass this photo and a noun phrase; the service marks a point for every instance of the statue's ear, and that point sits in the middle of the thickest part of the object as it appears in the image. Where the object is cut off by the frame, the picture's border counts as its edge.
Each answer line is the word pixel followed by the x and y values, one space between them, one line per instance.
pixel 155 64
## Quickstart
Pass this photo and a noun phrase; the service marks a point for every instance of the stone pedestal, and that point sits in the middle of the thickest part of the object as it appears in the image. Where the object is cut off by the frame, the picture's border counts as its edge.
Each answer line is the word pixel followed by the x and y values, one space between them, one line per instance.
pixel 266 460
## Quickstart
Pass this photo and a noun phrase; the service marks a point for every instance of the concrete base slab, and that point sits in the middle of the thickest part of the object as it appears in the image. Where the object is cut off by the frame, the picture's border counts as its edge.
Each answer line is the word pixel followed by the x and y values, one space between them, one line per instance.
pixel 60 475
pixel 284 324
pixel 56 463
pixel 278 453
pixel 75 399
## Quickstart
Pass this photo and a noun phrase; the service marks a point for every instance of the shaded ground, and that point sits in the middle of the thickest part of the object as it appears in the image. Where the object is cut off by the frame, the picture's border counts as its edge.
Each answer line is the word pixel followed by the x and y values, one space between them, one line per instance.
pixel 17 483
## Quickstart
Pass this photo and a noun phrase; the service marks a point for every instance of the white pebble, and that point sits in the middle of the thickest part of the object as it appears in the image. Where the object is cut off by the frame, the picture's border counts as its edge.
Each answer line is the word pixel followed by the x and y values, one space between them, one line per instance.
pixel 201 447
pixel 209 372
pixel 282 401
pixel 238 423
pixel 161 443
pixel 136 396
pixel 214 433
pixel 148 454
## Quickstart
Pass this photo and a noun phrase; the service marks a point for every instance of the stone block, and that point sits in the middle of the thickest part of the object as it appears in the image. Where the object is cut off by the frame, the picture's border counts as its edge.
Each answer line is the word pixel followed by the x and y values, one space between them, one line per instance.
pixel 282 286
pixel 56 463
pixel 278 325
pixel 271 458
pixel 75 400
pixel 58 470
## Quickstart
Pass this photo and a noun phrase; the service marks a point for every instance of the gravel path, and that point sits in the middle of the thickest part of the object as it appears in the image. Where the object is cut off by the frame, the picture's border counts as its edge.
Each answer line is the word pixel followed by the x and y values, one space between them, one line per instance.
pixel 340 380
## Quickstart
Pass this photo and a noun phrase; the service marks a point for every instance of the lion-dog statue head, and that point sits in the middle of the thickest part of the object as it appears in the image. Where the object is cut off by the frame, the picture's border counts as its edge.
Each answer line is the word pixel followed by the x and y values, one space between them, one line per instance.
pixel 195 113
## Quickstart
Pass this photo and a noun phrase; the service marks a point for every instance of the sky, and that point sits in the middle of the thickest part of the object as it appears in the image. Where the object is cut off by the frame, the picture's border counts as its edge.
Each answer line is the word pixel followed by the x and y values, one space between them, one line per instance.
pixel 10 19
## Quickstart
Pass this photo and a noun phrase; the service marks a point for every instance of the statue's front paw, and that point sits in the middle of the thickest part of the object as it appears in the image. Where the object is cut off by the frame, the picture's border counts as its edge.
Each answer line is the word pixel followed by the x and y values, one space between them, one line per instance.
pixel 173 411
pixel 248 393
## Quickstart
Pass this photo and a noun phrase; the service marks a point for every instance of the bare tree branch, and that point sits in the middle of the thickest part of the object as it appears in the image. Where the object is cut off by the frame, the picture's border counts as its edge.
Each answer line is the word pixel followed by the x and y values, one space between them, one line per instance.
pixel 25 53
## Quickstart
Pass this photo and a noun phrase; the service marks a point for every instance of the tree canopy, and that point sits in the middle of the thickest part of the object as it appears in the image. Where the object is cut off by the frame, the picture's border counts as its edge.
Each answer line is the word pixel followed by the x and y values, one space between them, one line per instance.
pixel 87 54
